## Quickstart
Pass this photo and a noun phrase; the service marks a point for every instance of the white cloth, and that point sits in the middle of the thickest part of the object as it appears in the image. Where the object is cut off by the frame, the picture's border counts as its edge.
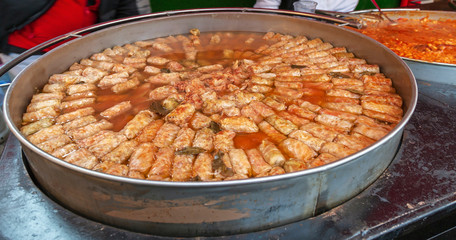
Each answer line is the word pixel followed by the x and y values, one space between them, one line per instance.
pixel 143 6
pixel 328 5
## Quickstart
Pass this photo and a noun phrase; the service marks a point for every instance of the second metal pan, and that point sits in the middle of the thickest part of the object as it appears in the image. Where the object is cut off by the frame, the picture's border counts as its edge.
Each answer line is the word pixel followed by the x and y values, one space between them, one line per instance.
pixel 424 70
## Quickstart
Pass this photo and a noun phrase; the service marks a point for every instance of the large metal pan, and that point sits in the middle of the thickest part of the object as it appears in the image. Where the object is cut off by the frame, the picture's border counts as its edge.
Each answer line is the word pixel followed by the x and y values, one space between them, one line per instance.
pixel 425 70
pixel 207 208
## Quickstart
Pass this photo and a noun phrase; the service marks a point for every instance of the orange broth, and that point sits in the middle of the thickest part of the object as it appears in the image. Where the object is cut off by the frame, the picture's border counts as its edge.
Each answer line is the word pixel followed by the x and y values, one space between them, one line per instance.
pixel 211 54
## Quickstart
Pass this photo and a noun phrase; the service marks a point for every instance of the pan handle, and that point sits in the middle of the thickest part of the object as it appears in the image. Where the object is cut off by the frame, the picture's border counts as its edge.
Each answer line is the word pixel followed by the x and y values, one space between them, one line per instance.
pixel 80 32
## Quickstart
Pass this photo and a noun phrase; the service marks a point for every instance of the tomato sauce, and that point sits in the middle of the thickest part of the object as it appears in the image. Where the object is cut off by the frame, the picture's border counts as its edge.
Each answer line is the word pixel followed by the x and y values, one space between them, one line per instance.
pixel 421 39
pixel 208 95
pixel 249 140
pixel 231 47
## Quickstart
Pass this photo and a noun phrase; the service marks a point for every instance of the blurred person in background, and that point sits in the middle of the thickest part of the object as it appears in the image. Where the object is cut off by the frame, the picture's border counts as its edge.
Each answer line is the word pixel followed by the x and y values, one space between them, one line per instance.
pixel 328 5
pixel 27 23
pixel 335 5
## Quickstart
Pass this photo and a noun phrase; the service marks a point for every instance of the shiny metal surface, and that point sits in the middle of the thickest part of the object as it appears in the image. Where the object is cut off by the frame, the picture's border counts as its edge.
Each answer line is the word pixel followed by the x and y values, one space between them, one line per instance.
pixel 216 208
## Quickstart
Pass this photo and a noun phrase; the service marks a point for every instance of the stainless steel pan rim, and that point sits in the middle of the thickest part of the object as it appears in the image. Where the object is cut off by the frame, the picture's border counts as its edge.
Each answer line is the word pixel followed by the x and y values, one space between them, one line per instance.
pixel 430 63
